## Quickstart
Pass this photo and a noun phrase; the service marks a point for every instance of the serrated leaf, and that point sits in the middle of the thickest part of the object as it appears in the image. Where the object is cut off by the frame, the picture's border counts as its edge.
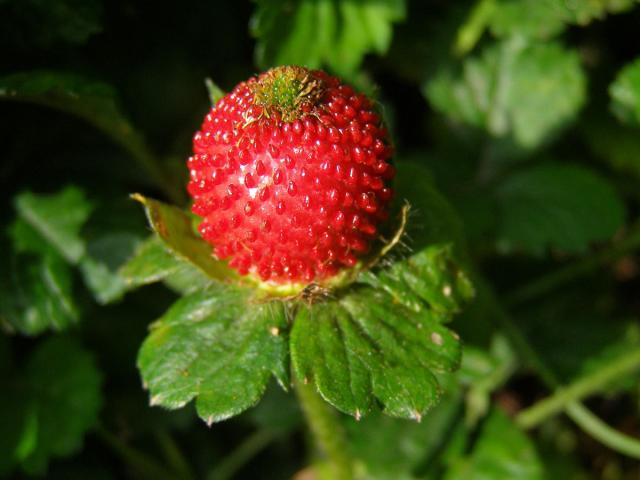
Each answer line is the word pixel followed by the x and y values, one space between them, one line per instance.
pixel 57 218
pixel 217 347
pixel 501 452
pixel 362 345
pixel 316 33
pixel 430 276
pixel 625 94
pixel 559 206
pixel 502 90
pixel 56 400
pixel 322 353
pixel 36 294
pixel 175 229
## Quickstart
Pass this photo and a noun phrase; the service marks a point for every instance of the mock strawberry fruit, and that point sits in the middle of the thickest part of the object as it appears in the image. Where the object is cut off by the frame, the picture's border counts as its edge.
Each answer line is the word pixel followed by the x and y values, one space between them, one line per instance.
pixel 290 173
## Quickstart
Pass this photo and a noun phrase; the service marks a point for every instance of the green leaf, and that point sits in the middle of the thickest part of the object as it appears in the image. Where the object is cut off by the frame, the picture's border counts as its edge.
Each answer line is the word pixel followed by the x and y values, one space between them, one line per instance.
pixel 36 294
pixel 392 449
pixel 432 220
pixel 323 32
pixel 176 230
pixel 502 452
pixel 502 91
pixel 215 92
pixel 559 206
pixel 105 254
pixel 625 94
pixel 536 19
pixel 57 218
pixel 583 12
pixel 363 346
pixel 431 276
pixel 616 145
pixel 153 262
pixel 218 347
pixel 56 399
pixel 543 19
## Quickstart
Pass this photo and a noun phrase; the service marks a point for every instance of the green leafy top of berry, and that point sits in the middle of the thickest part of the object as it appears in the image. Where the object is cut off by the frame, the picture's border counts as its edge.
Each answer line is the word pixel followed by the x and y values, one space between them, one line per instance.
pixel 288 90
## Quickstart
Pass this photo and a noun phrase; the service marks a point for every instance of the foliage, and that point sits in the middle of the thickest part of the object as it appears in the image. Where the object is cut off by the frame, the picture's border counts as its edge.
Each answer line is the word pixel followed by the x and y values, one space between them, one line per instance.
pixel 509 298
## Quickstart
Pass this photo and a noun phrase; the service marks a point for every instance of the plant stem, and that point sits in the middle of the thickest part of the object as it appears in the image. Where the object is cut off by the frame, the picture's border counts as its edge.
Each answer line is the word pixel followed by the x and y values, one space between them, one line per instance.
pixel 582 388
pixel 585 266
pixel 475 25
pixel 577 412
pixel 250 447
pixel 141 463
pixel 602 432
pixel 174 455
pixel 327 431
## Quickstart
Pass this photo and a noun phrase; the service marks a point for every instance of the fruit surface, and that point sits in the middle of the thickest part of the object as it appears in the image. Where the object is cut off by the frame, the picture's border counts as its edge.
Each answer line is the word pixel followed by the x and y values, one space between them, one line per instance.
pixel 290 174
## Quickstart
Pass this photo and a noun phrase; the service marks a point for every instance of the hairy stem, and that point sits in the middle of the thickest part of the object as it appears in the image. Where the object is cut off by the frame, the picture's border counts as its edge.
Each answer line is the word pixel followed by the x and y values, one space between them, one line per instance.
pixel 327 431
pixel 549 282
pixel 590 384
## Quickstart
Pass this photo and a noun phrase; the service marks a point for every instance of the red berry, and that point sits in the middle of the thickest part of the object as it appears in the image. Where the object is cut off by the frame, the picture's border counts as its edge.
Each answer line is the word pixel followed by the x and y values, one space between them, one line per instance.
pixel 290 174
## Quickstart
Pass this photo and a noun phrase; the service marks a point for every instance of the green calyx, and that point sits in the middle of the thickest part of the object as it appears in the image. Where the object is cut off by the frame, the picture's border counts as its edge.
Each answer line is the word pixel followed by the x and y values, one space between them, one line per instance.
pixel 287 90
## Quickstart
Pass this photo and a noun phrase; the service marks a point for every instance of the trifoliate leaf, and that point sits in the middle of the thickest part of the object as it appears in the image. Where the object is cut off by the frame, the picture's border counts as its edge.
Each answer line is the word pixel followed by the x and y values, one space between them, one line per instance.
pixel 56 399
pixel 219 347
pixel 316 33
pixel 560 206
pixel 625 94
pixel 513 90
pixel 363 346
pixel 175 229
pixel 57 218
pixel 501 452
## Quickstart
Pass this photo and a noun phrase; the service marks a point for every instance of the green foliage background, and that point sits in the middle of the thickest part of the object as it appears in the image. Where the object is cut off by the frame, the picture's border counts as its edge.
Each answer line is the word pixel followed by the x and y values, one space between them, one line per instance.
pixel 516 126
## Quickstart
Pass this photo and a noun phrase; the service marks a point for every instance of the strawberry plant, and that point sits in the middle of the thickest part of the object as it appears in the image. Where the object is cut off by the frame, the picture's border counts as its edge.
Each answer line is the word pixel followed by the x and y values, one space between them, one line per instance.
pixel 365 239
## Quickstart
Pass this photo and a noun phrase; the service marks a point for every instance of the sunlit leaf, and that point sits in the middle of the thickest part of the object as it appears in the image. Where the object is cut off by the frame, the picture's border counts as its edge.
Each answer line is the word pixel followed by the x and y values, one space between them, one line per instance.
pixel 318 33
pixel 625 94
pixel 217 347
pixel 513 90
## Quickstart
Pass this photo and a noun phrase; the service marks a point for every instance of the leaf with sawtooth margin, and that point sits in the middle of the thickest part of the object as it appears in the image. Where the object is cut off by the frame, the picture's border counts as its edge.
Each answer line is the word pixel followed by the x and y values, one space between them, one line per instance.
pixel 218 347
